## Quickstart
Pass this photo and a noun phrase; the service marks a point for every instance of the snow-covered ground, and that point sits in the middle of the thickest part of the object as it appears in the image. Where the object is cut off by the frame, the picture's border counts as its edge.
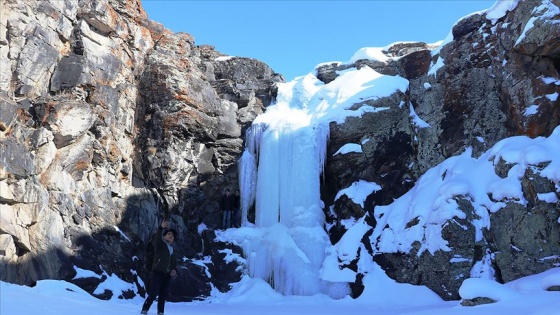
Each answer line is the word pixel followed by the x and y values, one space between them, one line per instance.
pixel 253 296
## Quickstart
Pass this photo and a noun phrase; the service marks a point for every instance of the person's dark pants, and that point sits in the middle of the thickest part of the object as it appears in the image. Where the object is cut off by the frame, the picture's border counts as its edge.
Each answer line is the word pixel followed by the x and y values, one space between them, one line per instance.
pixel 159 286
pixel 226 220
pixel 236 218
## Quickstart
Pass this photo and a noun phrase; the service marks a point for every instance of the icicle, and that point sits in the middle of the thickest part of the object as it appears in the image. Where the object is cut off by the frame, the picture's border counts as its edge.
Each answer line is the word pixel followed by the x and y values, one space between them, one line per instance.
pixel 247 183
pixel 267 196
pixel 323 136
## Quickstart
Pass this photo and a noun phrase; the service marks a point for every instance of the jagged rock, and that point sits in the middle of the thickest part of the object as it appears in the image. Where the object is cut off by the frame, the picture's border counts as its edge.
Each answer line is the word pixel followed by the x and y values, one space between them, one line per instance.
pixel 415 64
pixel 441 271
pixel 66 120
pixel 386 139
pixel 224 262
pixel 191 284
pixel 467 26
pixel 16 158
pixel 529 239
pixel 8 112
pixel 477 301
pixel 407 59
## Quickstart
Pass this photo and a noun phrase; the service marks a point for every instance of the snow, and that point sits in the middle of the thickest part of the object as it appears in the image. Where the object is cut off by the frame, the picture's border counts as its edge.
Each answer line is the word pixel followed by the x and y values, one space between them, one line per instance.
pixel 531 110
pixel 370 53
pixel 358 191
pixel 416 120
pixel 499 10
pixel 529 25
pixel 81 273
pixel 548 197
pixel 349 148
pixel 496 292
pixel 552 97
pixel 440 62
pixel 224 58
pixel 550 80
pixel 116 285
pixel 254 296
pixel 121 233
pixel 434 67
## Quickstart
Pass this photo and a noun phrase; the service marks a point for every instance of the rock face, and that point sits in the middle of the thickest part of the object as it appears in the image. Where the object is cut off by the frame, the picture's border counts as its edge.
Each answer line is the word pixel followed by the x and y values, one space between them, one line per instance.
pixel 491 75
pixel 109 121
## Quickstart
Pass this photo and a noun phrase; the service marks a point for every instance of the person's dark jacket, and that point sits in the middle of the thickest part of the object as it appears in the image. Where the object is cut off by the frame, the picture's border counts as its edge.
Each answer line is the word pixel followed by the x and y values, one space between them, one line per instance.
pixel 163 261
pixel 227 203
pixel 236 202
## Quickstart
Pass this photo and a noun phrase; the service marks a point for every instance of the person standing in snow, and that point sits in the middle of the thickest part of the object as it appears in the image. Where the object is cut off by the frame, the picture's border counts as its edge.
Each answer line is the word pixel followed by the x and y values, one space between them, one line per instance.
pixel 236 206
pixel 163 268
pixel 227 205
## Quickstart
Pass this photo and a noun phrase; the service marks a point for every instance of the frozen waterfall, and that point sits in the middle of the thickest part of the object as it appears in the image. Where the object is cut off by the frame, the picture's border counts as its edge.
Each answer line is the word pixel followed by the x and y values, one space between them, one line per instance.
pixel 280 173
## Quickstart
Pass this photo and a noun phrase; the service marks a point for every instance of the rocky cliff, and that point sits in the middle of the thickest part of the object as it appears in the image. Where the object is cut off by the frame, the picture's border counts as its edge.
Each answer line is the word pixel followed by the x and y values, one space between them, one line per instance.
pixel 109 121
pixel 478 87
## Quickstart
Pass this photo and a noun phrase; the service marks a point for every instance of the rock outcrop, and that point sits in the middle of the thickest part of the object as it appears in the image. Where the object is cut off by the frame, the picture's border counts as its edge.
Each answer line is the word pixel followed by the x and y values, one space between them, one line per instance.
pixel 496 78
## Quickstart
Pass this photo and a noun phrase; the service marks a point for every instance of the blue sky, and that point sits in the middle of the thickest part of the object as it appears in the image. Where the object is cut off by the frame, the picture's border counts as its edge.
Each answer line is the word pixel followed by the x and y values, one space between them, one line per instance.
pixel 294 36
